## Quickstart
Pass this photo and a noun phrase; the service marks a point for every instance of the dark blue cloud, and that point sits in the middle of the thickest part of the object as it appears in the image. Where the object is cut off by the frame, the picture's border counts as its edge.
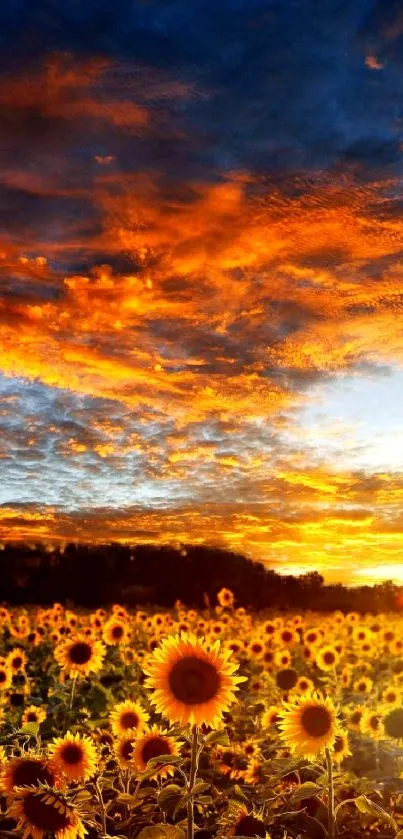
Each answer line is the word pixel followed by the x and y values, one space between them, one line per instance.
pixel 281 85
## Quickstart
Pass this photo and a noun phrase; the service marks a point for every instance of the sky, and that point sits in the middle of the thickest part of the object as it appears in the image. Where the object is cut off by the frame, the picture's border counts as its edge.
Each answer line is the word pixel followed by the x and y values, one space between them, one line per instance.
pixel 201 278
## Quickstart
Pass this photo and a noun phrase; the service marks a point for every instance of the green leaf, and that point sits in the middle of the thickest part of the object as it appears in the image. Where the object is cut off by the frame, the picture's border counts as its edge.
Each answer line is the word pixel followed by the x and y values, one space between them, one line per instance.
pixel 169 798
pixel 126 798
pixel 365 805
pixel 164 760
pixel 200 786
pixel 306 790
pixel 217 738
pixel 30 728
pixel 239 794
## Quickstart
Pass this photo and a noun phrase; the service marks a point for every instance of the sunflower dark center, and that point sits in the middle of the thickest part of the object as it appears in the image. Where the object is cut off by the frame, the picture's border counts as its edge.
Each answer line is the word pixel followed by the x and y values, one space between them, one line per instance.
pixel 129 720
pixel 155 748
pixel 80 652
pixel 117 632
pixel 16 700
pixel 72 754
pixel 355 718
pixel 44 816
pixel 316 721
pixel 362 687
pixel 17 662
pixel 286 679
pixel 30 773
pixel 249 826
pixel 194 681
pixel 32 716
pixel 3 676
pixel 287 635
pixel 127 750
pixel 328 657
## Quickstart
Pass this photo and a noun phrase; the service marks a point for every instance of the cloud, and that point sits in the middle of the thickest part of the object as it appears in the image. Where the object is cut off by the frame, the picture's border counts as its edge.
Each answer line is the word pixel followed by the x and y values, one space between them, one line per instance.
pixel 201 223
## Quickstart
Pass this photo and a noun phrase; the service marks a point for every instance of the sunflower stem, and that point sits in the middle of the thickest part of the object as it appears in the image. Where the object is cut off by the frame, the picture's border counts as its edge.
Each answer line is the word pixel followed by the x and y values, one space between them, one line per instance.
pixel 101 805
pixel 73 690
pixel 194 762
pixel 330 806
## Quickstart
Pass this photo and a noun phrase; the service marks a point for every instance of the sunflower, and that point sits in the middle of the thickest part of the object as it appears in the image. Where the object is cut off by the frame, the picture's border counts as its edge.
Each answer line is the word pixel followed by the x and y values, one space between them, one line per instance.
pixel 151 744
pixel 128 715
pixel 286 679
pixel 304 685
pixel 255 773
pixel 16 660
pixel 116 631
pixel 312 637
pixel 308 724
pixel 33 638
pixel 41 812
pixel 269 629
pixel 225 597
pixel 391 696
pixel 363 685
pixel 287 637
pixel 250 748
pixel 33 714
pixel 231 762
pixel 74 755
pixel 191 683
pixel 355 719
pixel 256 648
pixel 234 645
pixel 80 656
pixel 327 658
pixel 270 716
pixel 29 770
pixel 124 748
pixel 340 748
pixel 361 634
pixel 239 822
pixel 268 660
pixel 282 658
pixel 346 677
pixel 372 723
pixel 5 677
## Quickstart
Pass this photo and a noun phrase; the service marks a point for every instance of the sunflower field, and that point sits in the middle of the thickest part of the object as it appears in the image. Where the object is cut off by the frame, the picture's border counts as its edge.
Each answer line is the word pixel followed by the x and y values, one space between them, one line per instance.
pixel 215 723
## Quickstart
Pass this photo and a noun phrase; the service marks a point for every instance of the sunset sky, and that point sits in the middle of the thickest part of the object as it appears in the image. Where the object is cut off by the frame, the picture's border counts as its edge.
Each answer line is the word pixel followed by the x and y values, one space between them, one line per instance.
pixel 201 278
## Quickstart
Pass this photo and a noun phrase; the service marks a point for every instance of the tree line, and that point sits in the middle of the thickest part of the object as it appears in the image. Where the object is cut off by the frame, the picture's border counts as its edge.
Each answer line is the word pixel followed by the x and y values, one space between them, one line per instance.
pixel 98 575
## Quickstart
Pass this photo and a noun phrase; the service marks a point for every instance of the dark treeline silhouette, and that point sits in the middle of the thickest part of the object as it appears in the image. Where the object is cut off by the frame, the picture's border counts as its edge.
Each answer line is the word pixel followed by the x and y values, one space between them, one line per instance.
pixel 98 575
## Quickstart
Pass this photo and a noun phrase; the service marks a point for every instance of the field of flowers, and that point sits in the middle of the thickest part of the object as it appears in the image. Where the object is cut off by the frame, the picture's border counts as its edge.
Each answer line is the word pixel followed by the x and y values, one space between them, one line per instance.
pixel 185 724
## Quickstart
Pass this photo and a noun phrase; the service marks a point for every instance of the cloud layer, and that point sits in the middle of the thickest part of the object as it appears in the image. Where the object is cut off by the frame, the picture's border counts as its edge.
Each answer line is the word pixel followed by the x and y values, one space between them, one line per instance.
pixel 201 226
